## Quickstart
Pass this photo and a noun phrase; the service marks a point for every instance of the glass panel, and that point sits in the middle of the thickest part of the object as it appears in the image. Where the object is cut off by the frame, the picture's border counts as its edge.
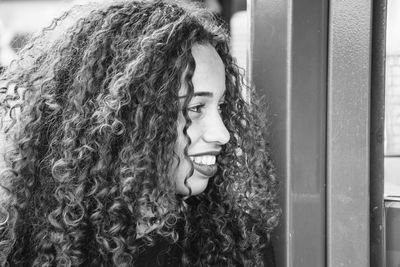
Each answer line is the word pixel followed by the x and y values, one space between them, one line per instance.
pixel 392 100
pixel 392 135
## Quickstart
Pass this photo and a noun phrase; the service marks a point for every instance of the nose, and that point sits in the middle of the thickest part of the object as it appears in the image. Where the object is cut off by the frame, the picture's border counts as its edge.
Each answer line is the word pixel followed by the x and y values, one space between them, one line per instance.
pixel 215 131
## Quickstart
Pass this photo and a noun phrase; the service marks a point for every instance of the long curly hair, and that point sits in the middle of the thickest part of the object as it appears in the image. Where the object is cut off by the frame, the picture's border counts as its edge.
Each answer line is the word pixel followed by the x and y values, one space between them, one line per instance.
pixel 90 112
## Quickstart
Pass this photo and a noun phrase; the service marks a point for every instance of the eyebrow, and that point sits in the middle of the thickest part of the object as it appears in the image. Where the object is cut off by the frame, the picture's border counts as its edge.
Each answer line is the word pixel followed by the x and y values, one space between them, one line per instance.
pixel 208 94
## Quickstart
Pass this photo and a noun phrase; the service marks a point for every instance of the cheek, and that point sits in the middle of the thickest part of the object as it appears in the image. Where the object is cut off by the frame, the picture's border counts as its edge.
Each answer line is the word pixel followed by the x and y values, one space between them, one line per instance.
pixel 179 147
pixel 193 132
pixel 181 140
pixel 179 172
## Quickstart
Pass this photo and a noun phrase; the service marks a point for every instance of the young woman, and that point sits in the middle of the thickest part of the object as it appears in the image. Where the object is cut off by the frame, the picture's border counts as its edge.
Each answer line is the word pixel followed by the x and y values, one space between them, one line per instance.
pixel 132 145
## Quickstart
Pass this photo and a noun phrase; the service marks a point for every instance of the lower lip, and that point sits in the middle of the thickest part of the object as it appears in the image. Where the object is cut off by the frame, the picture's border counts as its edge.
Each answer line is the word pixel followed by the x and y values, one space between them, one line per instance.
pixel 207 170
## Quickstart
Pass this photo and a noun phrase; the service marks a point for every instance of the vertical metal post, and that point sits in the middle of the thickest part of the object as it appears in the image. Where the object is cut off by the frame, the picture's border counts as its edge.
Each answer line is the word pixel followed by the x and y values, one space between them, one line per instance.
pixel 377 227
pixel 348 146
pixel 289 68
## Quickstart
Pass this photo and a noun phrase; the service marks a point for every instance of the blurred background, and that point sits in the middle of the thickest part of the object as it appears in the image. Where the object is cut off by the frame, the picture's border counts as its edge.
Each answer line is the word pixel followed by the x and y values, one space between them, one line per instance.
pixel 19 19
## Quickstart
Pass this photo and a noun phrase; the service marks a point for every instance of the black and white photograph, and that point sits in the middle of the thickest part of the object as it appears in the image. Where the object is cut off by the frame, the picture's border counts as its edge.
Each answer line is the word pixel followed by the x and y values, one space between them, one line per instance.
pixel 210 133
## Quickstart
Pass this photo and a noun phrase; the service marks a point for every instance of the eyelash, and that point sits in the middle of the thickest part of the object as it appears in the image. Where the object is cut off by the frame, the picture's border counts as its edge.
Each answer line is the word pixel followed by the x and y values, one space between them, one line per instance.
pixel 197 108
pixel 221 106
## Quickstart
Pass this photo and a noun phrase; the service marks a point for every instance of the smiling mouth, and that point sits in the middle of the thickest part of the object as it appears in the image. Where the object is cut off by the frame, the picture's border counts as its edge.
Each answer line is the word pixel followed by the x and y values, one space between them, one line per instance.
pixel 205 165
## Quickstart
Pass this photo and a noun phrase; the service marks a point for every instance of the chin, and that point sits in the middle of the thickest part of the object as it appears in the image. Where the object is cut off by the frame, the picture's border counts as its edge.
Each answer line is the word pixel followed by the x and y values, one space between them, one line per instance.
pixel 197 183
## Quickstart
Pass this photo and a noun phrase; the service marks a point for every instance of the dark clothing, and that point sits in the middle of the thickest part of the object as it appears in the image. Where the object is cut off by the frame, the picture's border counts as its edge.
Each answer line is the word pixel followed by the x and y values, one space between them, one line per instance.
pixel 269 256
pixel 161 254
pixel 164 254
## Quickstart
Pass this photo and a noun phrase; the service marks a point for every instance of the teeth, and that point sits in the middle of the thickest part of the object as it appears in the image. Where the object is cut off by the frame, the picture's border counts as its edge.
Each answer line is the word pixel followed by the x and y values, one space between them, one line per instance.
pixel 212 160
pixel 205 160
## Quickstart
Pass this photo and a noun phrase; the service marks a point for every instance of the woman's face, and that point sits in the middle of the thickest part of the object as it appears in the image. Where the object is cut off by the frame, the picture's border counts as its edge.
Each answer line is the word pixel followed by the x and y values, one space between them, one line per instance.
pixel 207 131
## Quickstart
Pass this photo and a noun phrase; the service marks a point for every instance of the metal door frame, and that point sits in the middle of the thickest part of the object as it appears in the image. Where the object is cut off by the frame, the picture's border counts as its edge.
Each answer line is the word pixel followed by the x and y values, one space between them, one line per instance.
pixel 320 65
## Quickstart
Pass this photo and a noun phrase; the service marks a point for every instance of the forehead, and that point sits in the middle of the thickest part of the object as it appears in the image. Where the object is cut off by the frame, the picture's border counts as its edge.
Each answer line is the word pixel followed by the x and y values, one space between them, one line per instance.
pixel 209 73
pixel 206 55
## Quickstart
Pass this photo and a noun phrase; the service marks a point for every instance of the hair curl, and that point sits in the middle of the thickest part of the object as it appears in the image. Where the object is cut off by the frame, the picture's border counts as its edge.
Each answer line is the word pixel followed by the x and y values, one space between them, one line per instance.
pixel 91 115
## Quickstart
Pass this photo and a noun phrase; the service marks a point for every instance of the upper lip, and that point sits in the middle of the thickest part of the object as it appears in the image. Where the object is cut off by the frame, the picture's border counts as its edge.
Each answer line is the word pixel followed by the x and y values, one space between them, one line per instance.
pixel 214 153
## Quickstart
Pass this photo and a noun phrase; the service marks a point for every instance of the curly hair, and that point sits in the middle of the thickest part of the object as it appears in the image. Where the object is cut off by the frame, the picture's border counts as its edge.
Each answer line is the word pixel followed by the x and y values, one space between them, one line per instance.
pixel 91 112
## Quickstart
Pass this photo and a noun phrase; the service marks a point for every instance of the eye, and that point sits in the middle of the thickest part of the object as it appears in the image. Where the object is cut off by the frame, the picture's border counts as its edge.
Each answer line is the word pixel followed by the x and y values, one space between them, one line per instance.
pixel 221 106
pixel 196 108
